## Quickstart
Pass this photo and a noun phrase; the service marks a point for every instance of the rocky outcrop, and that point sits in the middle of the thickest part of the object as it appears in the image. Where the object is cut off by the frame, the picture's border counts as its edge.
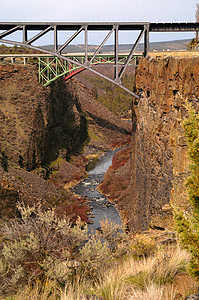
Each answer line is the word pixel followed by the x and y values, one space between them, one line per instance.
pixel 38 124
pixel 159 163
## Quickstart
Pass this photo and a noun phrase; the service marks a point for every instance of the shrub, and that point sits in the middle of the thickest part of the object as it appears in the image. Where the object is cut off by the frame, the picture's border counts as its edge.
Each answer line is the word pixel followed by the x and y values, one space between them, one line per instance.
pixel 143 246
pixel 187 224
pixel 104 249
pixel 116 237
pixel 40 247
pixel 94 258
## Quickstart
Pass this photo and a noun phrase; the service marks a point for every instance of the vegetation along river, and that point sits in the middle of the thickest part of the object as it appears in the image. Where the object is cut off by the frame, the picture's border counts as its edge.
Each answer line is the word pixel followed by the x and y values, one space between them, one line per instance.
pixel 100 205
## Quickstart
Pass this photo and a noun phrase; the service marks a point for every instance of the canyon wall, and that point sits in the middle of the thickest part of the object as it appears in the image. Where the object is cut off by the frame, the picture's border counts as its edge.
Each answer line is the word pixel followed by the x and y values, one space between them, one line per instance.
pixel 38 124
pixel 159 162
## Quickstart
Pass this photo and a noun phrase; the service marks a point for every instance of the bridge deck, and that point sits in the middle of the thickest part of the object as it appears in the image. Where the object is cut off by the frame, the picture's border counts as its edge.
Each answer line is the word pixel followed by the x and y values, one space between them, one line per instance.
pixel 90 54
pixel 153 27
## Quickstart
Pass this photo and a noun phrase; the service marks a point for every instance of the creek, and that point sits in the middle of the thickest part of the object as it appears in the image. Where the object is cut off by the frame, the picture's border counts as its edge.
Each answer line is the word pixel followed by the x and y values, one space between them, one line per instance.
pixel 100 205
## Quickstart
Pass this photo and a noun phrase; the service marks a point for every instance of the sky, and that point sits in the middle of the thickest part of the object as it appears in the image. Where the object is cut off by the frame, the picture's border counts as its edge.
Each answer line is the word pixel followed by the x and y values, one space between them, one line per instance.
pixel 102 10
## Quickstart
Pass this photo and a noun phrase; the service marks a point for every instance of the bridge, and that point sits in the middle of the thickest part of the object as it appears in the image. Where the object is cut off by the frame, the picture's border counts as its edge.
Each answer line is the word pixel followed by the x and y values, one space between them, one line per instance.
pixel 62 62
pixel 52 67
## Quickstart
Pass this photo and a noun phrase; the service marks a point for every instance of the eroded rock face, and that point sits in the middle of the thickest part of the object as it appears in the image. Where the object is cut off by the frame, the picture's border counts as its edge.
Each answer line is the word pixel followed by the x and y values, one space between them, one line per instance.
pixel 159 161
pixel 37 123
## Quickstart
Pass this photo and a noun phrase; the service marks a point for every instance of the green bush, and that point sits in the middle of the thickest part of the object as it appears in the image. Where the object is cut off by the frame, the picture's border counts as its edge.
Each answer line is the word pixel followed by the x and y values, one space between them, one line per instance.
pixel 187 225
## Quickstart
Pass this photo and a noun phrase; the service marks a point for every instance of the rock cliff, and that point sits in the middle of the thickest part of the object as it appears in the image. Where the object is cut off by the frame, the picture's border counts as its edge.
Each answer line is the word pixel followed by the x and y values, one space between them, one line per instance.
pixel 158 163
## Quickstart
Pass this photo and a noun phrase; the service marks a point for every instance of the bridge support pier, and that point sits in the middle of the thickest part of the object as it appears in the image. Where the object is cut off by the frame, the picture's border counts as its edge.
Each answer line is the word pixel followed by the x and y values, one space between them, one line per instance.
pixel 25 60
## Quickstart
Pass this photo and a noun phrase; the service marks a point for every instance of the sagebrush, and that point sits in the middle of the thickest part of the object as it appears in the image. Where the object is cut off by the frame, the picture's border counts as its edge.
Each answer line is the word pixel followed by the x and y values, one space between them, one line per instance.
pixel 41 246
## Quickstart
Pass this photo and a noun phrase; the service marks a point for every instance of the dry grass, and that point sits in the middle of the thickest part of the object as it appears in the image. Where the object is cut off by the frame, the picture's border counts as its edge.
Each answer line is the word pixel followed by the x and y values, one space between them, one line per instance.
pixel 40 291
pixel 158 269
pixel 159 276
pixel 74 291
pixel 176 54
pixel 112 286
pixel 153 292
pixel 146 279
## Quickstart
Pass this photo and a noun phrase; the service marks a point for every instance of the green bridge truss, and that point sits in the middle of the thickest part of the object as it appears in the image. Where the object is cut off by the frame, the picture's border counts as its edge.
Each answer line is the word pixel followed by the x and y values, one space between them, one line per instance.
pixel 52 67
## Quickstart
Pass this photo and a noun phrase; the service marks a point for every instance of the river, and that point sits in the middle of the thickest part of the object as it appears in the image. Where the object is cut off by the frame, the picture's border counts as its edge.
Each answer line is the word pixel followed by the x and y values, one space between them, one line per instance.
pixel 100 205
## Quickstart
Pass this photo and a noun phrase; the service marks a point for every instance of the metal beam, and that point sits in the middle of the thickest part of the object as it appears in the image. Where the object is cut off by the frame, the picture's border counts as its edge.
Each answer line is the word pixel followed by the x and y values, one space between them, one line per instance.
pixel 66 26
pixel 55 38
pixel 46 27
pixel 86 44
pixel 131 53
pixel 146 40
pixel 116 54
pixel 9 31
pixel 40 34
pixel 69 40
pixel 154 27
pixel 25 34
pixel 173 26
pixel 102 44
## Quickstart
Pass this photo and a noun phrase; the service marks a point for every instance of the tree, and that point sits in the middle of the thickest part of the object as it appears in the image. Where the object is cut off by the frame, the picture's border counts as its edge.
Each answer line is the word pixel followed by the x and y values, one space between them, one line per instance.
pixel 195 40
pixel 187 225
pixel 192 44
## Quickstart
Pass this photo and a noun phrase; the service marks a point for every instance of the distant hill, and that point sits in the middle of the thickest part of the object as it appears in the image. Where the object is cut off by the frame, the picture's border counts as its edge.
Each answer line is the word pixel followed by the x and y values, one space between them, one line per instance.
pixel 159 46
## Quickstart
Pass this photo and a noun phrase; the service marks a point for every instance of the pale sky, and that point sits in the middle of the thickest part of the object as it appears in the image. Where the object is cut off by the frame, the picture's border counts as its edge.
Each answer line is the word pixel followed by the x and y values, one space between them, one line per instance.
pixel 102 10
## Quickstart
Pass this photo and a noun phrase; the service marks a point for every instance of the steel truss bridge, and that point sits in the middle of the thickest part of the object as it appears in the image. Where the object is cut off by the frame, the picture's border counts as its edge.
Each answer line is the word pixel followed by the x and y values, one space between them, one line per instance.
pixel 50 68
pixel 57 62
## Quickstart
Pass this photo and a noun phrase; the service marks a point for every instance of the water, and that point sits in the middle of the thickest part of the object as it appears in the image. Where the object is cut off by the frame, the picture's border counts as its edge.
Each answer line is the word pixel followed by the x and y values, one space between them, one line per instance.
pixel 101 207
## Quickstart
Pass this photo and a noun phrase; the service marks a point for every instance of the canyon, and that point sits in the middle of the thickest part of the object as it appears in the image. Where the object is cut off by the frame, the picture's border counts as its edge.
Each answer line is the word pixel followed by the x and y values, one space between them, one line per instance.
pixel 44 131
pixel 47 136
